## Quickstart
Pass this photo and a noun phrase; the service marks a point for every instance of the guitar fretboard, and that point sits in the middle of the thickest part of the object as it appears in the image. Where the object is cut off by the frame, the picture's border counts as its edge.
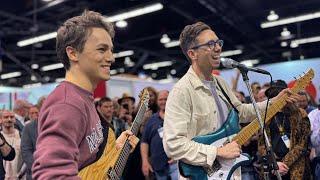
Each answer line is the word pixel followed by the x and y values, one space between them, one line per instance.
pixel 245 134
pixel 125 151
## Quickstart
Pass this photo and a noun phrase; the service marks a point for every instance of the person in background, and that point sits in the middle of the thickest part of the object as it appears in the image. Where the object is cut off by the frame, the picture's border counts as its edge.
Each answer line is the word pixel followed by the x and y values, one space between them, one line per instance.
pixel 153 94
pixel 20 109
pixel 240 96
pixel 29 138
pixel 304 102
pixel 261 96
pixel 289 132
pixel 105 107
pixel 314 117
pixel 127 108
pixel 7 152
pixel 163 167
pixel 12 136
pixel 153 107
pixel 41 101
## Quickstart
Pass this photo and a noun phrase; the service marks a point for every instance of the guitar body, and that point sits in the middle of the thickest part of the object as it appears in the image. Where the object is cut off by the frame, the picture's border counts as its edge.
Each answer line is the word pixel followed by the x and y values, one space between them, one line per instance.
pixel 223 169
pixel 112 162
pixel 98 169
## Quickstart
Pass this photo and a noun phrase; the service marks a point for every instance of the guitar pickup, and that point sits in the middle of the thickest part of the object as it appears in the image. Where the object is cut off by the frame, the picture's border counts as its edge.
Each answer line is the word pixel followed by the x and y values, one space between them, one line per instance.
pixel 214 168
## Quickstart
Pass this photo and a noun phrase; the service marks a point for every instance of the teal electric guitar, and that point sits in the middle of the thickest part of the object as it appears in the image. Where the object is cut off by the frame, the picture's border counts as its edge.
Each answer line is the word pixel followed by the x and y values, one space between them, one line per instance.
pixel 221 170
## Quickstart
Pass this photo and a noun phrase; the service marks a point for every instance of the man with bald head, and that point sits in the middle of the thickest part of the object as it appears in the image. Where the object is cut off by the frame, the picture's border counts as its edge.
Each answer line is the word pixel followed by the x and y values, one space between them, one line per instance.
pixel 20 109
pixel 160 164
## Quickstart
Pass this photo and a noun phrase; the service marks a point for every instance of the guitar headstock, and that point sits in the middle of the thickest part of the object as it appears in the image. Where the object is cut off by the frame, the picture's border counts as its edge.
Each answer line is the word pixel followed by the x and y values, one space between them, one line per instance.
pixel 303 81
pixel 144 97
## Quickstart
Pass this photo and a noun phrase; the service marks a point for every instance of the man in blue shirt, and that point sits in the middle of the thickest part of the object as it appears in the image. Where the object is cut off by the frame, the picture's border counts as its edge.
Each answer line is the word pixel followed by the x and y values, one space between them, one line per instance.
pixel 151 142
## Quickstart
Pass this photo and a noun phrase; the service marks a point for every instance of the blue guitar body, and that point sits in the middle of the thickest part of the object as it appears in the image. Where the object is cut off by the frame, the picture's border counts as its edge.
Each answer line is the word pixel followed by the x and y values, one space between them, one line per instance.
pixel 219 170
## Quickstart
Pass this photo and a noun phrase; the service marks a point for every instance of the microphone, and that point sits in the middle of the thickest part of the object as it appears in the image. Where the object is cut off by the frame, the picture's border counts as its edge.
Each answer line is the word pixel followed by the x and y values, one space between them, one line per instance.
pixel 230 63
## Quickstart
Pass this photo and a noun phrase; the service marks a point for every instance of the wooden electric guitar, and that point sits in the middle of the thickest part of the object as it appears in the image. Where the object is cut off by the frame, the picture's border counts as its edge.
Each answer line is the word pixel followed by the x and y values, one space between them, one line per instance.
pixel 112 162
pixel 228 131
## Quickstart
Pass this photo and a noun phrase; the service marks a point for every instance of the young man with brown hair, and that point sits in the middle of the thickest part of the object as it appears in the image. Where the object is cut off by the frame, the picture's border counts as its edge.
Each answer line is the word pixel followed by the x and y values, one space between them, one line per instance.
pixel 69 128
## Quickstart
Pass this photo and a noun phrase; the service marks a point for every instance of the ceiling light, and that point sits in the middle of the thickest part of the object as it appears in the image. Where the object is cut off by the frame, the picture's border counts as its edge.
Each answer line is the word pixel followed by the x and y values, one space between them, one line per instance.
pixel 272 16
pixel 173 71
pixel 59 80
pixel 123 54
pixel 294 44
pixel 291 20
pixel 128 62
pixel 154 75
pixel 52 67
pixel 250 62
pixel 231 53
pixel 37 39
pixel 113 71
pixel 135 12
pixel 165 39
pixel 10 75
pixel 27 86
pixel 33 78
pixel 155 66
pixel 121 24
pixel 284 44
pixel 172 44
pixel 35 66
pixel 285 32
pixel 306 40
pixel 117 17
pixel 121 70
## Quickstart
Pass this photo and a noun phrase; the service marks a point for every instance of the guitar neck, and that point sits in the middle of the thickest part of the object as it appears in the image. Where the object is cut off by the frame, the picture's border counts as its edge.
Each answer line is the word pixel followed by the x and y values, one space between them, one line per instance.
pixel 125 151
pixel 247 132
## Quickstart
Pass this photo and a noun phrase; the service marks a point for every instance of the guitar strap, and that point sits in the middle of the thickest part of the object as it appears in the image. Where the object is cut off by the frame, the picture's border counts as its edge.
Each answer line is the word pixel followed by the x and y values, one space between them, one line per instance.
pixel 227 97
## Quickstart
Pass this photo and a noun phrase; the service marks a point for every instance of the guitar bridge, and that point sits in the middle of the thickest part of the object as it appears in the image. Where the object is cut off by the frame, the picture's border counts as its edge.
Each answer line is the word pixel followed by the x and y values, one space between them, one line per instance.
pixel 214 168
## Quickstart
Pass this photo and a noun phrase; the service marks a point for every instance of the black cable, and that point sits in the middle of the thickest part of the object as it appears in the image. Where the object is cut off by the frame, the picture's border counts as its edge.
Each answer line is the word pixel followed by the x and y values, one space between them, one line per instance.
pixel 264 123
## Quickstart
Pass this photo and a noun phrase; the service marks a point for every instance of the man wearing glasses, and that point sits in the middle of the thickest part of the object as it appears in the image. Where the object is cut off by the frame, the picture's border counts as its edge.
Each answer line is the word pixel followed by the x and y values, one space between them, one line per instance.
pixel 197 104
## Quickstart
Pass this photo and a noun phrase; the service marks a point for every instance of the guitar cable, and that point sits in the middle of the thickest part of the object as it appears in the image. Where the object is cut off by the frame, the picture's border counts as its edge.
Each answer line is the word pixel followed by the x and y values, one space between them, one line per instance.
pixel 265 117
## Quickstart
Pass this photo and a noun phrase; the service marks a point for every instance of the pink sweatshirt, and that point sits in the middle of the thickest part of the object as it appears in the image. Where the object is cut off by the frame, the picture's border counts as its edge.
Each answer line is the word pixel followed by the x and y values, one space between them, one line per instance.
pixel 69 133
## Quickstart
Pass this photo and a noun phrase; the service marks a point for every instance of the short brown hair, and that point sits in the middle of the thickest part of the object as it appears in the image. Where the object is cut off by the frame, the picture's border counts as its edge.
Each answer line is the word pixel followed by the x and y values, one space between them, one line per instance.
pixel 188 36
pixel 75 31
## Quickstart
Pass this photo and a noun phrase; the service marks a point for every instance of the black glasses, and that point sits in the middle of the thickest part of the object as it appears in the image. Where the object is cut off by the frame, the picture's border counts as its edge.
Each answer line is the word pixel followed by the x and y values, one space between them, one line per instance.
pixel 211 44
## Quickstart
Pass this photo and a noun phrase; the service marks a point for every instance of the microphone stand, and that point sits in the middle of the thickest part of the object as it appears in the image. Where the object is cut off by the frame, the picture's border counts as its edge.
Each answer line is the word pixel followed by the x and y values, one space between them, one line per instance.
pixel 269 160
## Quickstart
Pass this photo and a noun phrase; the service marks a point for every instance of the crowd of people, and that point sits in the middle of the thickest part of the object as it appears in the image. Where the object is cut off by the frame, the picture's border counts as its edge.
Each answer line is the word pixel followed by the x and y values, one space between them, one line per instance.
pixel 149 160
pixel 74 131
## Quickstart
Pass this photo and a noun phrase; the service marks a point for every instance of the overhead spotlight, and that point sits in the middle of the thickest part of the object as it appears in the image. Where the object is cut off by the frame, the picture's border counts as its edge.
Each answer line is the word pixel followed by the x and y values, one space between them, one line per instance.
pixel 165 39
pixel 154 75
pixel 285 32
pixel 121 70
pixel 35 66
pixel 294 44
pixel 284 44
pixel 121 24
pixel 272 16
pixel 33 78
pixel 173 71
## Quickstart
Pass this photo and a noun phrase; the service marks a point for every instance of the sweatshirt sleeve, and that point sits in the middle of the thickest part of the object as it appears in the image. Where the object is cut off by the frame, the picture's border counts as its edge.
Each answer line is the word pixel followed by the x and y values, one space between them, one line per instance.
pixel 60 132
